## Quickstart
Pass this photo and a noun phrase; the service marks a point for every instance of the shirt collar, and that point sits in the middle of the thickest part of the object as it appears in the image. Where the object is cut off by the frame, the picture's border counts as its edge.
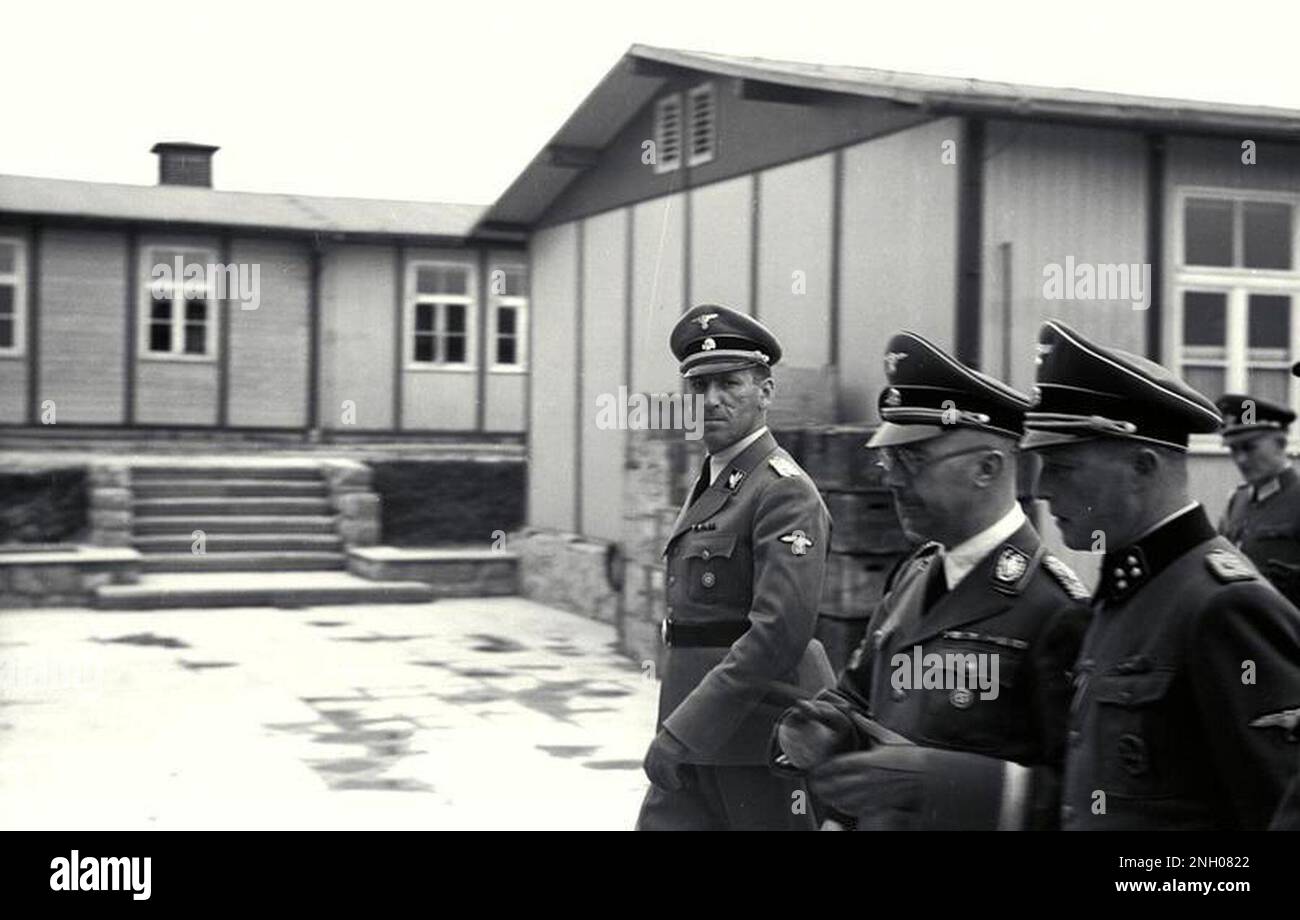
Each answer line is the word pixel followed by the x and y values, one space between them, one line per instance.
pixel 719 461
pixel 958 561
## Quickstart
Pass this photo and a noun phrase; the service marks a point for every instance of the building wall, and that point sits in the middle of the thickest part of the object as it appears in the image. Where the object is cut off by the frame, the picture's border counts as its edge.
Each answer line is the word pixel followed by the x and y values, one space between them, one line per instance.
pixel 82 324
pixel 898 253
pixel 270 346
pixel 722 223
pixel 1054 192
pixel 552 451
pixel 170 391
pixel 658 291
pixel 604 370
pixel 359 327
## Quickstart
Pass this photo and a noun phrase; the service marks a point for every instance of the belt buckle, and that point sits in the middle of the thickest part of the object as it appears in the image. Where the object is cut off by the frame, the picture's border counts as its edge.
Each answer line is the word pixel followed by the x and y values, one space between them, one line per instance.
pixel 666 631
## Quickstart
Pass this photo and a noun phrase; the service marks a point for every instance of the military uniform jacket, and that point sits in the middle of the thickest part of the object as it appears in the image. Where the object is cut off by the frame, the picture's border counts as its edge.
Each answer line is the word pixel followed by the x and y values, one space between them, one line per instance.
pixel 1019 604
pixel 1186 689
pixel 752 548
pixel 1264 523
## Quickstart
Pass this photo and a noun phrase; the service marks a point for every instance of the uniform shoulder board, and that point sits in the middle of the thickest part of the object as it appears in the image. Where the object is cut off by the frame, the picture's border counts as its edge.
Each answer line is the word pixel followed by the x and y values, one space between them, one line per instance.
pixel 1075 588
pixel 784 466
pixel 1228 567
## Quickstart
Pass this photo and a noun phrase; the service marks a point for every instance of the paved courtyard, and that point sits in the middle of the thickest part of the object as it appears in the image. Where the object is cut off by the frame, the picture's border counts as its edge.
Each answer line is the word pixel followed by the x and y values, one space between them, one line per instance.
pixel 457 714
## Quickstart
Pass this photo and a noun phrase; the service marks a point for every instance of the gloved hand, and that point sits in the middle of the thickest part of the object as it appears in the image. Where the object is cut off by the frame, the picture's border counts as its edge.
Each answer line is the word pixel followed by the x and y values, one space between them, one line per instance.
pixel 664 761
pixel 812 731
pixel 900 785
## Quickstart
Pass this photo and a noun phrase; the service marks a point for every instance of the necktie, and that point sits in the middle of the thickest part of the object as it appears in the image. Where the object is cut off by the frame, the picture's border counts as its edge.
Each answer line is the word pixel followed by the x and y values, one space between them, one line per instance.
pixel 701 482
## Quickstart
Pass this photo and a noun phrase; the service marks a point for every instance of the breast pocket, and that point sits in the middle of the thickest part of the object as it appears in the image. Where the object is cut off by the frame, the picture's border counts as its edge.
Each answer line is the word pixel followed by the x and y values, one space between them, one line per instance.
pixel 1136 732
pixel 714 569
pixel 980 705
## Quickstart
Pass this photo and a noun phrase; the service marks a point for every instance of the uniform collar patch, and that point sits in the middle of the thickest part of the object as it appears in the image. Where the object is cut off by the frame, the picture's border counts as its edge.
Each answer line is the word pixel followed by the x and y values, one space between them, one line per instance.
pixel 734 479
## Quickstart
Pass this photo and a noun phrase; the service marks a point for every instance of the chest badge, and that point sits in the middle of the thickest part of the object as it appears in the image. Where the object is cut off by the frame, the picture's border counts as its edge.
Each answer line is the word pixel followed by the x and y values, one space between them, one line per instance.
pixel 708 579
pixel 1010 566
pixel 961 699
pixel 799 542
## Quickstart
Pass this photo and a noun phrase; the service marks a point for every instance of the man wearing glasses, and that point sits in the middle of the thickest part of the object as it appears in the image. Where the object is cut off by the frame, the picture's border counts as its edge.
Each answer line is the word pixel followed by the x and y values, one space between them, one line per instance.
pixel 952 712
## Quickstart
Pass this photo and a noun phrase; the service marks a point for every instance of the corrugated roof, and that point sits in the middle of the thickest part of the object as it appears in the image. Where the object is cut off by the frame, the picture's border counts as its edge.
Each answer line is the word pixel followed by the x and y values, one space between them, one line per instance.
pixel 624 90
pixel 180 204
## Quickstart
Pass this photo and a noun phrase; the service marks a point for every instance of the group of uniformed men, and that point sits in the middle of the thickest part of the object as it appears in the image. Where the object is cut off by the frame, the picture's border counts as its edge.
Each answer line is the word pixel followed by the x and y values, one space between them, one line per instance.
pixel 992 689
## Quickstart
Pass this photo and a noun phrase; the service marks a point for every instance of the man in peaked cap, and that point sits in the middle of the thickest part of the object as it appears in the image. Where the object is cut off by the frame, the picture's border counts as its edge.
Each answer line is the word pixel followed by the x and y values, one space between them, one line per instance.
pixel 745 562
pixel 994 622
pixel 1263 514
pixel 1188 684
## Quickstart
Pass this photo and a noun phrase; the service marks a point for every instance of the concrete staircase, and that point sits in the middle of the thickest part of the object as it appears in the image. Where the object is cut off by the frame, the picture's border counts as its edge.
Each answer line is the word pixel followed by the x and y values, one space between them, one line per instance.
pixel 217 535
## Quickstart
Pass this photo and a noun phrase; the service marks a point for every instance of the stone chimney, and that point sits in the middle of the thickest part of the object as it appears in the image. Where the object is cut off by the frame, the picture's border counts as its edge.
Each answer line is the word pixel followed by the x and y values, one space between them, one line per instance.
pixel 184 164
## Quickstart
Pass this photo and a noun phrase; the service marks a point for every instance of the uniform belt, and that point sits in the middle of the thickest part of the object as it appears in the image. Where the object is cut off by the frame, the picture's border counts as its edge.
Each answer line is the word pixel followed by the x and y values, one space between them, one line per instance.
pixel 702 635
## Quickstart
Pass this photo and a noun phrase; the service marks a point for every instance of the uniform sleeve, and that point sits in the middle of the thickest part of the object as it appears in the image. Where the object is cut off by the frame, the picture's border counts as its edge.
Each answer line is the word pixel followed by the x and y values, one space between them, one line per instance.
pixel 787 587
pixel 1244 653
pixel 1052 660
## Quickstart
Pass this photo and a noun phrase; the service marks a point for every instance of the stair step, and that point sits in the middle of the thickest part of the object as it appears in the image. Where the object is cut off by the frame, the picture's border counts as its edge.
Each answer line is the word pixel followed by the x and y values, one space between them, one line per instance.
pixel 229 524
pixel 218 471
pixel 234 542
pixel 151 507
pixel 242 561
pixel 256 589
pixel 209 488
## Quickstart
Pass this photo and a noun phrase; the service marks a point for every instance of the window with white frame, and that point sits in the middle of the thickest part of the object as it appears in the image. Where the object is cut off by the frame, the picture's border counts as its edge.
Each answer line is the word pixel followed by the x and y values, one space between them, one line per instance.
pixel 509 305
pixel 180 304
pixel 442 308
pixel 1235 288
pixel 13 296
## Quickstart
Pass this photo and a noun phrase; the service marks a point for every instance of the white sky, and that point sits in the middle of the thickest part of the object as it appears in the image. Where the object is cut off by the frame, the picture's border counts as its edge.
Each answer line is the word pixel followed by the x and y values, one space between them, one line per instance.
pixel 449 101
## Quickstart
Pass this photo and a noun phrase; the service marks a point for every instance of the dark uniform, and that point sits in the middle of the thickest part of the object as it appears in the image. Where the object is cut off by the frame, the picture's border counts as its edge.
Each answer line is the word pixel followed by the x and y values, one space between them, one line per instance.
pixel 1263 518
pixel 745 563
pixel 1190 672
pixel 1018 603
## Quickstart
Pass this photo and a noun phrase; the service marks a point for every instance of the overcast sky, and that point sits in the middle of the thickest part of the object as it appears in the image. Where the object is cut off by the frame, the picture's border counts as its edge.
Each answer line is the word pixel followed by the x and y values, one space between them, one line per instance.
pixel 449 101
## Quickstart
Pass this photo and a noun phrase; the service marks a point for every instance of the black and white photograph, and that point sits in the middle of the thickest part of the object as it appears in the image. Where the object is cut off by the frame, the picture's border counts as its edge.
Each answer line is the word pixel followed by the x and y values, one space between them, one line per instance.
pixel 684 416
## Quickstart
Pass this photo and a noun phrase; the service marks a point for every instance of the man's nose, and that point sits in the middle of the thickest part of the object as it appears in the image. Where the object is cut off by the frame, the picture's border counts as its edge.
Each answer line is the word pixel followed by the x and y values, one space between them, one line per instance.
pixel 713 394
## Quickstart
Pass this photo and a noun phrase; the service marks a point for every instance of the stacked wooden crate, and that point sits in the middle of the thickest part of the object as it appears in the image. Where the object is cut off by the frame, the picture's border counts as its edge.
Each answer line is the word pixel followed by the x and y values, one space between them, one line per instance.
pixel 867 540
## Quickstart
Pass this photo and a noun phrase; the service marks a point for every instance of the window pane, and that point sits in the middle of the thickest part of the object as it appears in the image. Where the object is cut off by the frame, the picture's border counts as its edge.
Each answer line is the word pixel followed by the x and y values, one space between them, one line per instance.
pixel 424 317
pixel 1207 231
pixel 424 348
pixel 1270 321
pixel 196 310
pixel 1207 380
pixel 506 350
pixel 455 349
pixel 455 317
pixel 6 333
pixel 506 320
pixel 8 258
pixel 1205 318
pixel 6 300
pixel 442 279
pixel 160 310
pixel 1273 384
pixel 1267 234
pixel 195 337
pixel 160 337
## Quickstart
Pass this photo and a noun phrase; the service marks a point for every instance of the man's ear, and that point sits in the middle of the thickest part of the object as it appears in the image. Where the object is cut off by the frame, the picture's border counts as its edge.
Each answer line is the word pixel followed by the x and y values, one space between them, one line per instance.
pixel 990 466
pixel 1146 462
pixel 768 389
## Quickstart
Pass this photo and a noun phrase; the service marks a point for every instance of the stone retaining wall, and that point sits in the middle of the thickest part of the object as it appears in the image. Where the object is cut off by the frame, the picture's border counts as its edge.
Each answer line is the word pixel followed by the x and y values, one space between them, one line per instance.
pixel 64 576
